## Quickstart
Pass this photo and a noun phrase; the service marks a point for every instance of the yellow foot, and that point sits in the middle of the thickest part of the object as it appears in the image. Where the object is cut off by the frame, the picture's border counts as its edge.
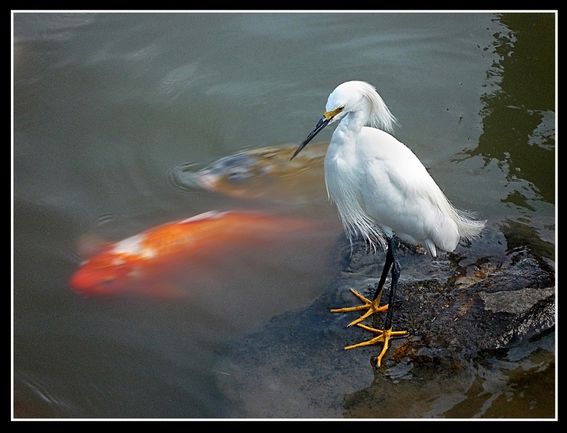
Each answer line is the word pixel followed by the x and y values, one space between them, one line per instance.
pixel 383 336
pixel 367 304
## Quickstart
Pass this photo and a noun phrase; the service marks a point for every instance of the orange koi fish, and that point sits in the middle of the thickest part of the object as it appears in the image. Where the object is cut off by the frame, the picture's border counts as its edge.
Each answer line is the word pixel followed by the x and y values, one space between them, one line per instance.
pixel 146 261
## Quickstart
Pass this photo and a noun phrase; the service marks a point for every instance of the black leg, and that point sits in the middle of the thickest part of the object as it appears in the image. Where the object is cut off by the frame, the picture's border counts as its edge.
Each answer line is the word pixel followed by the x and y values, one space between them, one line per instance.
pixel 392 295
pixel 386 334
pixel 385 270
pixel 370 306
pixel 382 335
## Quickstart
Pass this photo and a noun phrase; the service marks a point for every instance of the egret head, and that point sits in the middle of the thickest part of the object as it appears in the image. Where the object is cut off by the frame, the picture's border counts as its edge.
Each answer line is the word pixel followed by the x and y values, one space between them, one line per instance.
pixel 350 97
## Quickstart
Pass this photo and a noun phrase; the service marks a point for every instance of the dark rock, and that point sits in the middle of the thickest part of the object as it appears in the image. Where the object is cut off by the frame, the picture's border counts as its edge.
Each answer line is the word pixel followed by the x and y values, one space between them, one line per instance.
pixel 459 308
pixel 516 301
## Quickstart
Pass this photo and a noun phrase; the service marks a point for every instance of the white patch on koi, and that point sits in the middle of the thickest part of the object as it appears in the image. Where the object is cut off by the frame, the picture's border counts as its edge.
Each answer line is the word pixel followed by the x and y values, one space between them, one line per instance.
pixel 207 181
pixel 148 253
pixel 212 214
pixel 131 245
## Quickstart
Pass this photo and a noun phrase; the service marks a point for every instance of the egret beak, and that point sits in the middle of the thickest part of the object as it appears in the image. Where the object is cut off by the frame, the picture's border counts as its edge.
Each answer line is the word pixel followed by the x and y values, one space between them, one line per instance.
pixel 324 121
pixel 327 118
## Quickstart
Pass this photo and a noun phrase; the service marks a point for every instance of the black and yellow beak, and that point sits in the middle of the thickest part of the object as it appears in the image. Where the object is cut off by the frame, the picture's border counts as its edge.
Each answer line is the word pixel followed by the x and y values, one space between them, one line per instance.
pixel 323 121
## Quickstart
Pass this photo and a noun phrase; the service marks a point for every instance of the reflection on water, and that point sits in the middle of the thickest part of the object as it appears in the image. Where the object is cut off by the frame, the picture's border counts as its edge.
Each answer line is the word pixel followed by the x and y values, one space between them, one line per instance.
pixel 522 381
pixel 522 97
pixel 521 235
pixel 107 105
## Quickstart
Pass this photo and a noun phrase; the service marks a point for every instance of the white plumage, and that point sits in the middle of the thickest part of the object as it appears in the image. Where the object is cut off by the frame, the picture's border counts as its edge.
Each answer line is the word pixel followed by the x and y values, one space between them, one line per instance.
pixel 382 190
pixel 378 184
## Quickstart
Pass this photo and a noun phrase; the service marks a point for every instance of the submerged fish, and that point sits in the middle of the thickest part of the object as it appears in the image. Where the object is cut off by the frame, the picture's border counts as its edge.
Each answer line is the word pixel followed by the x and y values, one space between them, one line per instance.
pixel 149 261
pixel 265 172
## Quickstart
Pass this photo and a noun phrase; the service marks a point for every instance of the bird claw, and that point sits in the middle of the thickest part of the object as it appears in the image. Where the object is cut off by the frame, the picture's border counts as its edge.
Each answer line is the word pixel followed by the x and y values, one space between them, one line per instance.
pixel 383 336
pixel 372 307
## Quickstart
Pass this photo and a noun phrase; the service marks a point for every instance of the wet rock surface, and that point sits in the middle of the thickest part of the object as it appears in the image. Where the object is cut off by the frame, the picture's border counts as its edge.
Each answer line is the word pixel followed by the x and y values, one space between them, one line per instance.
pixel 461 309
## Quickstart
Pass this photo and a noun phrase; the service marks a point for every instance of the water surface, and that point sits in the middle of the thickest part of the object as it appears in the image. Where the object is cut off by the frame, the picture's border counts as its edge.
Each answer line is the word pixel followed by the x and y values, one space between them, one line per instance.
pixel 106 105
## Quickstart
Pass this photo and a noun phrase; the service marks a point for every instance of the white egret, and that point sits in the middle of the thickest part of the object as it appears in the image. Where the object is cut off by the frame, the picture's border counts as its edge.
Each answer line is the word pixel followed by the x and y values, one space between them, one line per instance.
pixel 381 190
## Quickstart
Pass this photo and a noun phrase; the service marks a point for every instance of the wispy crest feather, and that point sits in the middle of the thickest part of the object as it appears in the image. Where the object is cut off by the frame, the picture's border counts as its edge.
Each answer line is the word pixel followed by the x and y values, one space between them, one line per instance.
pixel 380 115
